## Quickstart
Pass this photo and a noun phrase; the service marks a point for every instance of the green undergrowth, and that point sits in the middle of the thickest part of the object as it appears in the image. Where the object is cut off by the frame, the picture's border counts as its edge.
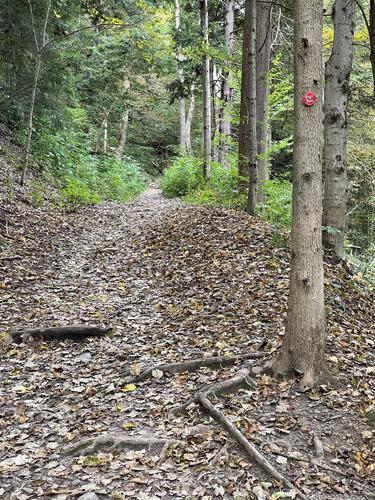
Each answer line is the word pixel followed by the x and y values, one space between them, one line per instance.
pixel 184 179
pixel 82 178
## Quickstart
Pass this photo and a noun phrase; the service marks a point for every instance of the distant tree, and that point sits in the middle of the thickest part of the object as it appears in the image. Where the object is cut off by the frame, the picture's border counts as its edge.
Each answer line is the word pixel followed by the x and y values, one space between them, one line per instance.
pixel 263 54
pixel 206 78
pixel 302 351
pixel 247 148
pixel 336 96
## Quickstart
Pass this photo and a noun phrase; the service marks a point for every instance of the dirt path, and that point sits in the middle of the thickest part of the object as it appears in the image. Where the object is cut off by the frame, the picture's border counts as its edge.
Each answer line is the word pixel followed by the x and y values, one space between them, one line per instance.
pixel 174 283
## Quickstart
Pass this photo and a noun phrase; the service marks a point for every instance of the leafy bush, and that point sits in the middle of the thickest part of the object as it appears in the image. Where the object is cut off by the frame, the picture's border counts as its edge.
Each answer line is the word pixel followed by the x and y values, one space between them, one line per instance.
pixel 183 176
pixel 83 178
pixel 222 188
pixel 76 194
pixel 277 208
pixel 120 180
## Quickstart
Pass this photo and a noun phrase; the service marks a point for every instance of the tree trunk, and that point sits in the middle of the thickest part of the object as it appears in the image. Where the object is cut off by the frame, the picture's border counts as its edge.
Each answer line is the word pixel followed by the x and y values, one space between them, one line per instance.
pixel 303 345
pixel 336 95
pixel 181 77
pixel 216 115
pixel 105 135
pixel 123 132
pixel 264 39
pixel 206 90
pixel 372 38
pixel 38 64
pixel 251 6
pixel 227 90
pixel 247 144
pixel 189 119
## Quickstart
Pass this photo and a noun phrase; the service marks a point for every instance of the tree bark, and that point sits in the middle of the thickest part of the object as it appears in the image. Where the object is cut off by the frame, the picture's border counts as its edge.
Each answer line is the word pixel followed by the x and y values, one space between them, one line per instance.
pixel 247 146
pixel 372 38
pixel 206 90
pixel 336 95
pixel 227 89
pixel 181 77
pixel 38 64
pixel 123 134
pixel 251 5
pixel 216 111
pixel 105 135
pixel 264 39
pixel 303 345
pixel 189 119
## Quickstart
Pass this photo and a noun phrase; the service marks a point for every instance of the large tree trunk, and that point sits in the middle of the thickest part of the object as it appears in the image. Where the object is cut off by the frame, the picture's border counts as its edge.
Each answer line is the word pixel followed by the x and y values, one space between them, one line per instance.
pixel 181 77
pixel 227 89
pixel 337 75
pixel 264 39
pixel 189 119
pixel 206 90
pixel 303 344
pixel 247 144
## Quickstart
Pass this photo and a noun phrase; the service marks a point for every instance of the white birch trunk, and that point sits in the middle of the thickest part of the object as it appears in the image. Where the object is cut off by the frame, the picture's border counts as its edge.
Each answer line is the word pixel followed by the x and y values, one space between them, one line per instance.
pixel 189 119
pixel 181 77
pixel 227 89
pixel 206 90
pixel 337 76
pixel 123 134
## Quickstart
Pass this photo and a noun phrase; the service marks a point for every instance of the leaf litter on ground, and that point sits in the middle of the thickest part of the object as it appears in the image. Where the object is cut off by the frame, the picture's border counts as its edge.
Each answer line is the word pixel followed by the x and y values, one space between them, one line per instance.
pixel 174 283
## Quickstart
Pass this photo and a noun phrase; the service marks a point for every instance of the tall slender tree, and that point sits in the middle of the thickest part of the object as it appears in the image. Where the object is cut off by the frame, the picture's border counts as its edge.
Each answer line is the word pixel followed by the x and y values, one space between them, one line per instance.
pixel 206 89
pixel 303 345
pixel 264 39
pixel 227 87
pixel 336 95
pixel 40 44
pixel 181 76
pixel 247 148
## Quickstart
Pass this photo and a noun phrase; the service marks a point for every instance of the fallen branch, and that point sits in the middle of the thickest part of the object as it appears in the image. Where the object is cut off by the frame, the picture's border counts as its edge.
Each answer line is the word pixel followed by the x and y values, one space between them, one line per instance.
pixel 90 446
pixel 241 380
pixel 249 448
pixel 195 364
pixel 72 332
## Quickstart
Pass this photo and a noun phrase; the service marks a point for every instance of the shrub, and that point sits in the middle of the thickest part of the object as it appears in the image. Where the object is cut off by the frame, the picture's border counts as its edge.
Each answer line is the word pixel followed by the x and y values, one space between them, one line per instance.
pixel 76 194
pixel 183 176
pixel 222 188
pixel 120 180
pixel 277 208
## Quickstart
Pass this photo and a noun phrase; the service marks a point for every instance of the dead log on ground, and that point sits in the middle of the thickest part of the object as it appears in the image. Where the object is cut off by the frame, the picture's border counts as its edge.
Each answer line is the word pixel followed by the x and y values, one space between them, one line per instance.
pixel 195 364
pixel 72 332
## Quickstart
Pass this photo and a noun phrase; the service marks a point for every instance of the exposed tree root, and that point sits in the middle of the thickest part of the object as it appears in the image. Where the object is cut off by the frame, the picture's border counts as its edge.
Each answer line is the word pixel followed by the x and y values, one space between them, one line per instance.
pixel 72 332
pixel 241 380
pixel 195 364
pixel 90 446
pixel 249 448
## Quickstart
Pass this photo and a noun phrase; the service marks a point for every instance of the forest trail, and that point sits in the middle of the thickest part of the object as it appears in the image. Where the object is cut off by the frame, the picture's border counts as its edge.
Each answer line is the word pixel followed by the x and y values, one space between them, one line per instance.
pixel 174 283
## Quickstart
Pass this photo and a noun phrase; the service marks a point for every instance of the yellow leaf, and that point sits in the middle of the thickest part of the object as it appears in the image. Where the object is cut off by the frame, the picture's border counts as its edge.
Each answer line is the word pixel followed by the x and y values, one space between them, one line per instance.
pixel 22 419
pixel 128 388
pixel 129 425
